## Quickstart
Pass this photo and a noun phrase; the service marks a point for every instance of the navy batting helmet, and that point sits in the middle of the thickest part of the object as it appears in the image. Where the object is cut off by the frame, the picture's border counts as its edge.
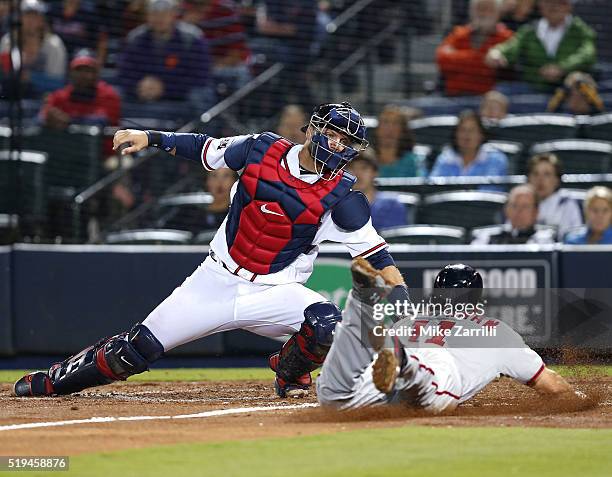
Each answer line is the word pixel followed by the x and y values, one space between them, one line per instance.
pixel 458 282
pixel 346 120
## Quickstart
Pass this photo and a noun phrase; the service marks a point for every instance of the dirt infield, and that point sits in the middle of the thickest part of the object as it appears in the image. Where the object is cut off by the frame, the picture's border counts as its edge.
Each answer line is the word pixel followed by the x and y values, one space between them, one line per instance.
pixel 503 403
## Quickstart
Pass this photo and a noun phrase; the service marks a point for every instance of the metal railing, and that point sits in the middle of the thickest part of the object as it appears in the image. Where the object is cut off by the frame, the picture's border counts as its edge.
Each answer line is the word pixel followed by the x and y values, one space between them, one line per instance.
pixel 364 52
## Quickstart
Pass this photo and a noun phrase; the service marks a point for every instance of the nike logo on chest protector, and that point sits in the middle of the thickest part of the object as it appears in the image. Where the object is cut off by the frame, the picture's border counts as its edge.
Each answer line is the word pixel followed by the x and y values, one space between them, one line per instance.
pixel 264 209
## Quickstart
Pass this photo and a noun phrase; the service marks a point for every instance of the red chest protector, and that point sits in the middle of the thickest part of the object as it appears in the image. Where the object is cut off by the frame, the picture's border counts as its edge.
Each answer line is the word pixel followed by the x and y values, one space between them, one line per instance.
pixel 275 216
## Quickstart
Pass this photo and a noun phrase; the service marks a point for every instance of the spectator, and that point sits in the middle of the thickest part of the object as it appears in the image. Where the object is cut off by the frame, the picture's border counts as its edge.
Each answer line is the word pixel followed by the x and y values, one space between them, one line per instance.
pixel 287 30
pixel 116 18
pixel 469 154
pixel 547 50
pixel 578 96
pixel 461 56
pixel 43 54
pixel 166 59
pixel 86 100
pixel 291 122
pixel 598 213
pixel 521 212
pixel 394 143
pixel 386 210
pixel 76 22
pixel 556 209
pixel 516 13
pixel 221 22
pixel 494 106
pixel 198 219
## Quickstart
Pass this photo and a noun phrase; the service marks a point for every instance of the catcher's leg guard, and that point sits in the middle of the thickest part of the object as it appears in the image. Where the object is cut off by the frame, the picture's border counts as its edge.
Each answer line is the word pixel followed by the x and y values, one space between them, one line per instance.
pixel 110 359
pixel 305 351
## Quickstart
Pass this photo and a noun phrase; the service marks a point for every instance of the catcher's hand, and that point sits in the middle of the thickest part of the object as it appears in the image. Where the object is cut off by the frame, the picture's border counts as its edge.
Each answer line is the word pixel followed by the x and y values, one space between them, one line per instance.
pixel 136 139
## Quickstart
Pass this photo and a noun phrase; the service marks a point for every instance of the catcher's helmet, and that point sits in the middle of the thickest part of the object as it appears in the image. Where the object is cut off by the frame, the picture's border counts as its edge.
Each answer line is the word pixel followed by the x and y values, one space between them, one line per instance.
pixel 458 282
pixel 342 118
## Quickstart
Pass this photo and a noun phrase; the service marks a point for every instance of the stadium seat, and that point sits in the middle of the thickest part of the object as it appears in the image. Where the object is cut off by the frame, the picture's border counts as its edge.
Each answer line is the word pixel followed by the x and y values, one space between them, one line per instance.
pixel 531 128
pixel 465 208
pixel 425 235
pixel 186 205
pixel 5 137
pixel 411 202
pixel 149 237
pixel 189 198
pixel 434 130
pixel 528 103
pixel 514 152
pixel 495 229
pixel 204 238
pixel 599 127
pixel 9 226
pixel 433 105
pixel 579 156
pixel 75 156
pixel 26 196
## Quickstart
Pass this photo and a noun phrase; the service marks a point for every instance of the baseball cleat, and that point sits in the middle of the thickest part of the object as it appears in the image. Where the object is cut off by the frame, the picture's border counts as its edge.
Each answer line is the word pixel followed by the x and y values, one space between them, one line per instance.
pixel 285 389
pixel 368 282
pixel 385 371
pixel 292 391
pixel 37 383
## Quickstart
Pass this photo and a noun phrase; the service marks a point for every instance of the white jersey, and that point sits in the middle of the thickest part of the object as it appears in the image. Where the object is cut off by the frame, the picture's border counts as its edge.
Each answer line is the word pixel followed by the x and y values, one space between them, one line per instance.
pixel 478 348
pixel 363 242
pixel 560 211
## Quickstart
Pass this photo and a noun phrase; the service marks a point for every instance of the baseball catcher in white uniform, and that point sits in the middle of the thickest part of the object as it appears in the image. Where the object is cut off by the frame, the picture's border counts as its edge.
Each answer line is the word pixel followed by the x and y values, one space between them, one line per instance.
pixel 288 200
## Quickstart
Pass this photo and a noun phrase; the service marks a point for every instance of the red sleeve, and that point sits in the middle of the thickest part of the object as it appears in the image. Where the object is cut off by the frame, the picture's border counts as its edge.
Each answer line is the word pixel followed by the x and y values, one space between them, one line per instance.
pixel 463 58
pixel 53 100
pixel 114 109
pixel 110 102
pixel 535 376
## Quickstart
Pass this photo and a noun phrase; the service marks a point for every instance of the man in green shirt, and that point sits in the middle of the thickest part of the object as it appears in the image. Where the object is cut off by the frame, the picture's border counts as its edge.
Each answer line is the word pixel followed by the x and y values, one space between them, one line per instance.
pixel 548 49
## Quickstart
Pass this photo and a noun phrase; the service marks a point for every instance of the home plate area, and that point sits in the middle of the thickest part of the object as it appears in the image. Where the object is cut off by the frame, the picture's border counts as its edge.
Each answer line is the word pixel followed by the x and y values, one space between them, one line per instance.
pixel 140 414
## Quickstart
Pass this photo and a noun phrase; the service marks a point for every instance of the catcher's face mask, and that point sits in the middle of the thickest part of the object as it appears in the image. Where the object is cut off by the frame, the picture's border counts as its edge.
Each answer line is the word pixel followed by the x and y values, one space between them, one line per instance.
pixel 339 134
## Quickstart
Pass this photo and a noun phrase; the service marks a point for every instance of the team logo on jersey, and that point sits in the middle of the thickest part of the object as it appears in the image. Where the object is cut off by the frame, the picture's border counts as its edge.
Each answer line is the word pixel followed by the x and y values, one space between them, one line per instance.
pixel 223 143
pixel 265 210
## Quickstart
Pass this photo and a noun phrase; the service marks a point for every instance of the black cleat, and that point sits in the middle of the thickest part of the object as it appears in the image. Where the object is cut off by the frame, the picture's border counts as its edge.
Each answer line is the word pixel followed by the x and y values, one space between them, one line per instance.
pixel 34 384
pixel 284 389
pixel 368 283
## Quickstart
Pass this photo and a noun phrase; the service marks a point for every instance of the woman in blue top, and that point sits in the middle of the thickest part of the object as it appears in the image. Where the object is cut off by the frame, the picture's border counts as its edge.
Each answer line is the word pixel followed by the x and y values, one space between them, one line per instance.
pixel 393 144
pixel 598 214
pixel 469 155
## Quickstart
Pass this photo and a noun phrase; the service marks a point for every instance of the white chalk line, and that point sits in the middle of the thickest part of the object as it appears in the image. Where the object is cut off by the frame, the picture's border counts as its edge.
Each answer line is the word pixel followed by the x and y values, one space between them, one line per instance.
pixel 199 415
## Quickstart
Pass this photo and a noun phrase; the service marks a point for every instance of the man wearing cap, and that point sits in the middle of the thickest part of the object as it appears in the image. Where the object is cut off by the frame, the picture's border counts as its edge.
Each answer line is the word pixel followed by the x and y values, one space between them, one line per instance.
pixel 166 59
pixel 86 100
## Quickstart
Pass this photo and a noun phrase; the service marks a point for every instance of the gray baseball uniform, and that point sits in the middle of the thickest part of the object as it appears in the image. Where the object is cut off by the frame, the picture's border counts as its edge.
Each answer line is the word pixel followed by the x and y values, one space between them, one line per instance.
pixel 440 371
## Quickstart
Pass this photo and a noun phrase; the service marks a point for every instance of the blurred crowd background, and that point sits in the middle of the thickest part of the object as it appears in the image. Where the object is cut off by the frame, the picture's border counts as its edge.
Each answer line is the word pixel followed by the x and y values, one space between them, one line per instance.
pixel 487 118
